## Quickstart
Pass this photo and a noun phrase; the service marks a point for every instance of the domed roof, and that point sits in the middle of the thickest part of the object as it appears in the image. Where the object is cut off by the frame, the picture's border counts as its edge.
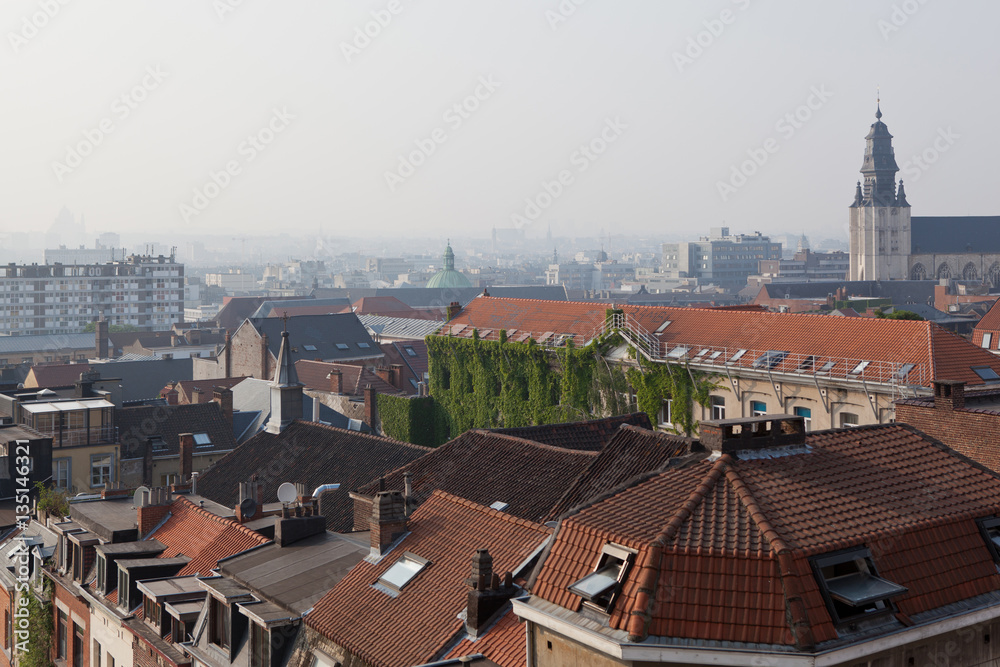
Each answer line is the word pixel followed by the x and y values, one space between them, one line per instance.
pixel 448 276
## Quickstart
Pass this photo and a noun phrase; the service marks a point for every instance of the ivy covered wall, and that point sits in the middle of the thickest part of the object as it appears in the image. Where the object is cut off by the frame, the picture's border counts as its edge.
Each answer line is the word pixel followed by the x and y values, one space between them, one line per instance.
pixel 417 420
pixel 491 384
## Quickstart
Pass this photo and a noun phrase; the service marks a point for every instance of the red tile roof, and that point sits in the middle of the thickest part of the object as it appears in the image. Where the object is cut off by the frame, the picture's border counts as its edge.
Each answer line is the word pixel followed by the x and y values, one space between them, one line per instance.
pixel 54 375
pixel 203 537
pixel 390 306
pixel 590 435
pixel 415 626
pixel 886 343
pixel 725 544
pixel 989 324
pixel 504 643
pixel 313 374
pixel 487 467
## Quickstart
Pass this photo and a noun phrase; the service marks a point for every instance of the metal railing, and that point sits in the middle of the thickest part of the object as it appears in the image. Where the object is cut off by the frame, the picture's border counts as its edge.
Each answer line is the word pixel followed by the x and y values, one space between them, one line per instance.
pixel 70 437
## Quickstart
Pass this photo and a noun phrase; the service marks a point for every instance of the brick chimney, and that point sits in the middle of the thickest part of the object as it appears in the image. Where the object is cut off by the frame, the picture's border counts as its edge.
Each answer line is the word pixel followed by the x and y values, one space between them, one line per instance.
pixel 371 407
pixel 487 593
pixel 224 397
pixel 388 520
pixel 229 357
pixel 385 374
pixel 336 381
pixel 172 395
pixel 155 510
pixel 187 453
pixel 101 339
pixel 452 310
pixel 264 354
pixel 765 432
pixel 195 397
pixel 949 395
pixel 147 462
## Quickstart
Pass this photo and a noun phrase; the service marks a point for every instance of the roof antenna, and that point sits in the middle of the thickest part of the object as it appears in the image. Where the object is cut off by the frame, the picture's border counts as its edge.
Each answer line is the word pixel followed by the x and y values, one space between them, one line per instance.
pixel 878 102
pixel 284 320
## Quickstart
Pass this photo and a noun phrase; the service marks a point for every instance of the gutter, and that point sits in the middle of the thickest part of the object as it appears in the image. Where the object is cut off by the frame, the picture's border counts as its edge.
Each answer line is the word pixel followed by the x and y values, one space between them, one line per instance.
pixel 703 655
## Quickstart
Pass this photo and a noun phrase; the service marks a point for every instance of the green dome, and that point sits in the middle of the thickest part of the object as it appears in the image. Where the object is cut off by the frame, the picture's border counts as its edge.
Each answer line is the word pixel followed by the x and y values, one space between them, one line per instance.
pixel 449 277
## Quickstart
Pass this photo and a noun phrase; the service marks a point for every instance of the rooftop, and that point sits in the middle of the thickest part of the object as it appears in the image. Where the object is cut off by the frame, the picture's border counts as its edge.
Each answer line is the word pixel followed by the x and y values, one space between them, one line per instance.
pixel 590 435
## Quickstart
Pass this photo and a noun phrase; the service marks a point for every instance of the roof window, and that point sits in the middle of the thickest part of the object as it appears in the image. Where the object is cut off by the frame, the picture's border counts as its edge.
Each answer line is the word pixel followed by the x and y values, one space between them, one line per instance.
pixel 309 348
pixel 851 586
pixel 677 352
pixel 807 365
pixel 860 368
pixel 662 327
pixel 986 373
pixel 827 367
pixel 990 529
pixel 739 354
pixel 342 346
pixel 770 359
pixel 202 439
pixel 410 352
pixel 600 588
pixel 364 346
pixel 403 571
pixel 903 371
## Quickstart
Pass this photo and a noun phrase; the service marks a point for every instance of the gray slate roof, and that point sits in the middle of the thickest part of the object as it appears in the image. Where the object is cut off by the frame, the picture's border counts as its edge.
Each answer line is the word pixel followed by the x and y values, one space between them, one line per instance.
pixel 955 234
pixel 429 297
pixel 254 396
pixel 16 344
pixel 322 332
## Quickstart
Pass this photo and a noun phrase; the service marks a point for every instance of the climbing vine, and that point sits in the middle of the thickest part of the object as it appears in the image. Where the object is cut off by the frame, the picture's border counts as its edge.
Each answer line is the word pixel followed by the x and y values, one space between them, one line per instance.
pixel 39 630
pixel 499 384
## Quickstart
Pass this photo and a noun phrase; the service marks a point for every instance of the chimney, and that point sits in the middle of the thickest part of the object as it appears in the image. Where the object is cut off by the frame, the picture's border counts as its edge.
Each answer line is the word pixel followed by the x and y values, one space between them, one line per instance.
pixel 224 397
pixel 171 394
pixel 175 339
pixel 147 462
pixel 752 433
pixel 487 593
pixel 371 408
pixel 336 381
pixel 196 395
pixel 408 500
pixel 388 520
pixel 452 310
pixel 385 374
pixel 264 353
pixel 228 352
pixel 949 395
pixel 84 386
pixel 187 452
pixel 193 336
pixel 155 510
pixel 101 339
pixel 288 530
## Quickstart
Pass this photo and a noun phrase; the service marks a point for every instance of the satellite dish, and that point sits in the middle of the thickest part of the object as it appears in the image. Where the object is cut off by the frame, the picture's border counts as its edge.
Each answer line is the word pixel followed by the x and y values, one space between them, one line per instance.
pixel 248 508
pixel 287 493
pixel 140 496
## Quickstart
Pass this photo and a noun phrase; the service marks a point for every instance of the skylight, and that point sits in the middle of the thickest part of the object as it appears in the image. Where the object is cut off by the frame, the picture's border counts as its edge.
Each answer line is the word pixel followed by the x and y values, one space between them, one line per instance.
pixel 202 439
pixel 663 326
pixel 860 368
pixel 702 352
pixel 715 355
pixel 990 529
pixel 827 367
pixel 410 352
pixel 364 346
pixel 342 346
pixel 677 352
pixel 986 373
pixel 738 355
pixel 851 585
pixel 403 571
pixel 600 588
pixel 903 371
pixel 769 359
pixel 807 365
pixel 310 348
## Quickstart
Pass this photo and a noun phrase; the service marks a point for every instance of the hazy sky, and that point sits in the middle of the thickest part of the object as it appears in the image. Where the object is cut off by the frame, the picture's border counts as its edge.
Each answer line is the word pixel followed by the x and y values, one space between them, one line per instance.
pixel 311 116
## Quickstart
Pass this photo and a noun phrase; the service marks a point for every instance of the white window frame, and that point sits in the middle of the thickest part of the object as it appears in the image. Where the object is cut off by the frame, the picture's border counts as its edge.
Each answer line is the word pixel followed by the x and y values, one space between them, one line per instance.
pixel 718 409
pixel 110 456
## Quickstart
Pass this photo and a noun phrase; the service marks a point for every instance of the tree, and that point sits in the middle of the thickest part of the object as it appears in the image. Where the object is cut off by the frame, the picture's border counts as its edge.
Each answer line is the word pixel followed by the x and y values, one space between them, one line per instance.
pixel 898 315
pixel 52 501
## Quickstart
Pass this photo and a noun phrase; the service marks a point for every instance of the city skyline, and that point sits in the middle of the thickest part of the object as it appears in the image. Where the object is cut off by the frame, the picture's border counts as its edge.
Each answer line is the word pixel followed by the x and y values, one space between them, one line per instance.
pixel 239 118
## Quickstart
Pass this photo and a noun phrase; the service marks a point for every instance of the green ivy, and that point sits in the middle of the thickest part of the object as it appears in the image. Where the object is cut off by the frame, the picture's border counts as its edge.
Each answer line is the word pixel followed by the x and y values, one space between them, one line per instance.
pixel 499 384
pixel 40 626
pixel 417 420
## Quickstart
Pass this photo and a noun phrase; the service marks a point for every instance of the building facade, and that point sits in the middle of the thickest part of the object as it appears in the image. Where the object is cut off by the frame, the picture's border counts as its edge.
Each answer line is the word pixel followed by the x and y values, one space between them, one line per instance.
pixel 142 291
pixel 721 258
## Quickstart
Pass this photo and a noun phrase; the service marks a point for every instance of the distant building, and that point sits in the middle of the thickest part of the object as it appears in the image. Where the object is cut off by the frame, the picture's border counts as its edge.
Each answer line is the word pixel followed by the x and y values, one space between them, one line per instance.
pixel 448 277
pixel 233 282
pixel 142 291
pixel 804 267
pixel 81 255
pixel 720 258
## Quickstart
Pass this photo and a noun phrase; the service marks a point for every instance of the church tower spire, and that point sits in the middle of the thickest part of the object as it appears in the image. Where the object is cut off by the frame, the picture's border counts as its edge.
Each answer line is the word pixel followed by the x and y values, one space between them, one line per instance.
pixel 879 167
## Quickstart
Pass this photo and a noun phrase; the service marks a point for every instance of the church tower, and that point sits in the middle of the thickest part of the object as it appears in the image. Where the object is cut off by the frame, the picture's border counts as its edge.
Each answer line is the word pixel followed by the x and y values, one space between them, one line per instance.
pixel 880 217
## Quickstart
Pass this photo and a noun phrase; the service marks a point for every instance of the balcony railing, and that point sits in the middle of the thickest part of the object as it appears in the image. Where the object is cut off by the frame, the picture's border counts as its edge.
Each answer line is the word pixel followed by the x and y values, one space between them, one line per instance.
pixel 71 437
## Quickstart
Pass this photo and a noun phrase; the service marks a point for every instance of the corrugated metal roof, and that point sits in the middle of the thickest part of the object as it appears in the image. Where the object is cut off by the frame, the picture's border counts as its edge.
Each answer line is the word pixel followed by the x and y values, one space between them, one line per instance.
pixel 13 344
pixel 400 327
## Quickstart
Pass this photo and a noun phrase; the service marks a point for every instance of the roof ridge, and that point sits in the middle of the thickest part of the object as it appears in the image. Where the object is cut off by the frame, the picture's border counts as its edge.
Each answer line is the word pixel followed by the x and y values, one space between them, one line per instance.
pixel 483 509
pixel 532 443
pixel 649 571
pixel 745 496
pixel 367 436
pixel 230 523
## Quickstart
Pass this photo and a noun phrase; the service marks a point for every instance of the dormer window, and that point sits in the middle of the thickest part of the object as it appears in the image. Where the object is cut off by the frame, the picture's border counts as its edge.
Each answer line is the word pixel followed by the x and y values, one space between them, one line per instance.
pixel 220 623
pixel 202 440
pixel 260 646
pixel 600 588
pixel 851 586
pixel 990 529
pixel 152 612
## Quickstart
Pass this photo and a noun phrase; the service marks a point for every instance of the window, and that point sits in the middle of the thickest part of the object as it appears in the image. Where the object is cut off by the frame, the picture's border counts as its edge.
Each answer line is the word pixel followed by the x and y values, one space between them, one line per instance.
pixel 903 371
pixel 806 414
pixel 990 529
pixel 309 348
pixel 662 327
pixel 202 439
pixel 987 340
pixel 666 418
pixel 860 368
pixel 827 367
pixel 6 629
pixel 758 408
pixel 851 586
pixel 342 346
pixel 410 351
pixel 123 588
pixel 986 373
pixel 62 626
pixel 78 647
pixel 102 565
pixel 769 359
pixel 111 660
pixel 61 473
pixel 718 404
pixel 100 469
pixel 848 420
pixel 600 588
pixel 220 623
pixel 364 346
pixel 260 646
pixel 97 655
pixel 807 365
pixel 739 355
pixel 677 352
pixel 403 571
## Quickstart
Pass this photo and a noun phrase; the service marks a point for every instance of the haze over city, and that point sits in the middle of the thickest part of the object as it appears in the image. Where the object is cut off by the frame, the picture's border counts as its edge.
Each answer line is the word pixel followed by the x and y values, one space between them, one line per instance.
pixel 390 117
